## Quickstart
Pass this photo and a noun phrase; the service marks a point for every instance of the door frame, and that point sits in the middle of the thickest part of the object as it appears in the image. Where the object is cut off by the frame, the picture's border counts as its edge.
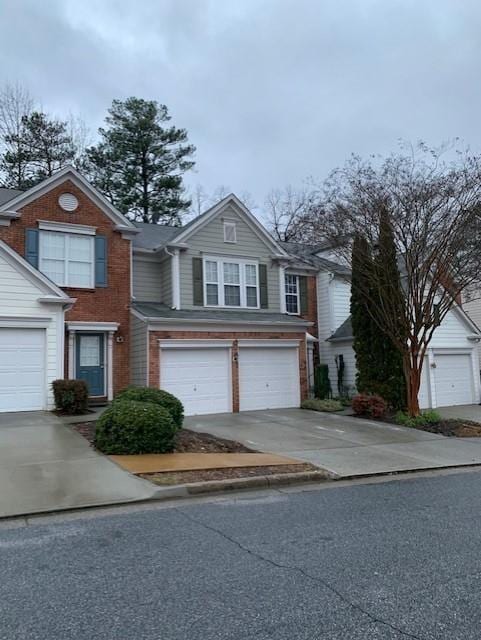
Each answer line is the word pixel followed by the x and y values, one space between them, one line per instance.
pixel 103 359
pixel 108 329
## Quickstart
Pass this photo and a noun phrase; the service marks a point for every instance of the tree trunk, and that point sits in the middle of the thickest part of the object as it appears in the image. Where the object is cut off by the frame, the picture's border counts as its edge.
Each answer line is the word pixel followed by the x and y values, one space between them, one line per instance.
pixel 412 372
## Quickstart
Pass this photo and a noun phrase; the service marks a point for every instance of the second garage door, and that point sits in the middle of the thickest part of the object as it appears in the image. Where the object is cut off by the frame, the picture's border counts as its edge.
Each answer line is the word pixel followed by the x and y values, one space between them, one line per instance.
pixel 199 377
pixel 268 378
pixel 22 369
pixel 454 379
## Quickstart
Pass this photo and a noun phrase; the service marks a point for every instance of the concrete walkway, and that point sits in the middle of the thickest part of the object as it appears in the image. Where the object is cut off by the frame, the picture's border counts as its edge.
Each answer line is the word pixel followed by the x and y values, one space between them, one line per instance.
pixel 343 445
pixel 162 462
pixel 46 466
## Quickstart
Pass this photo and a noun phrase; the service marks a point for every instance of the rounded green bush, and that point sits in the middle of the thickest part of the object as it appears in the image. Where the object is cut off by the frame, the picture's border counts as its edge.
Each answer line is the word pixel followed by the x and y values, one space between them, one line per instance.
pixel 132 427
pixel 157 396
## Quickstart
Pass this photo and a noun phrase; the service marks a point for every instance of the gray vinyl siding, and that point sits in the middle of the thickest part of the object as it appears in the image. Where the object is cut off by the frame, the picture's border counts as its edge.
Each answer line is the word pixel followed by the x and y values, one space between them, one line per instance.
pixel 209 240
pixel 147 277
pixel 138 352
pixel 166 281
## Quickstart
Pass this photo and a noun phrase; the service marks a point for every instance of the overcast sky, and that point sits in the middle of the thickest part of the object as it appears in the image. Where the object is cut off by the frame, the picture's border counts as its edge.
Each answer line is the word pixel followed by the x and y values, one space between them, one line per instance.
pixel 271 91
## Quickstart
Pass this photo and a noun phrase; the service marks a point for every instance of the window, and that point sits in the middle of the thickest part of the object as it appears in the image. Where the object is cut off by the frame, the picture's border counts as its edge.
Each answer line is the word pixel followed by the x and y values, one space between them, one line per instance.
pixel 230 232
pixel 67 259
pixel 292 294
pixel 231 284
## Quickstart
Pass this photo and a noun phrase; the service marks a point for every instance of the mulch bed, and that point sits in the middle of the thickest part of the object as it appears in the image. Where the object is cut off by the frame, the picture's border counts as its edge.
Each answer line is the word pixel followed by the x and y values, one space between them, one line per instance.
pixel 184 477
pixel 455 428
pixel 451 428
pixel 185 442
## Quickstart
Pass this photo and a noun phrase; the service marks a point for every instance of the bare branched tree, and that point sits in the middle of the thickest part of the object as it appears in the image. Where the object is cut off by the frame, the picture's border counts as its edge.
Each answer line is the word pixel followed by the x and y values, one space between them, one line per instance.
pixel 287 212
pixel 15 104
pixel 433 207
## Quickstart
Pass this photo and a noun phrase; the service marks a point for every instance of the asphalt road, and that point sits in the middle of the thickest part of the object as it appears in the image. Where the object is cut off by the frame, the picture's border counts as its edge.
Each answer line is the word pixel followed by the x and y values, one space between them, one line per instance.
pixel 391 560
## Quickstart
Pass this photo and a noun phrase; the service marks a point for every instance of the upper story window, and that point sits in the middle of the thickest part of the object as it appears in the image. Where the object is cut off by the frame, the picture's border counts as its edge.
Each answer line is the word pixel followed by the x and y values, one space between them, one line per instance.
pixel 231 283
pixel 67 259
pixel 292 294
pixel 230 233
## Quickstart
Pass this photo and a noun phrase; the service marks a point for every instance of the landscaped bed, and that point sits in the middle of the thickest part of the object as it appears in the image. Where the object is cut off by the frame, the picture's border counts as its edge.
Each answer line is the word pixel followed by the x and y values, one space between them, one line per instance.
pixel 185 441
pixel 457 428
pixel 185 477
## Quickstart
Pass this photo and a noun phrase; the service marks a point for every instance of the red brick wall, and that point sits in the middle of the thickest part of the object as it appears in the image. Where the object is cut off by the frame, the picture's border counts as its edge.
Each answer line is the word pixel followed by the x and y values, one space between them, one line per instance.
pixel 108 304
pixel 311 314
pixel 154 353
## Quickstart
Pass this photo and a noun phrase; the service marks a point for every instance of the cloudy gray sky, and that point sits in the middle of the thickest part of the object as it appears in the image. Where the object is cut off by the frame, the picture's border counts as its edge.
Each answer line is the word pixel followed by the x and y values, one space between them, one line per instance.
pixel 271 91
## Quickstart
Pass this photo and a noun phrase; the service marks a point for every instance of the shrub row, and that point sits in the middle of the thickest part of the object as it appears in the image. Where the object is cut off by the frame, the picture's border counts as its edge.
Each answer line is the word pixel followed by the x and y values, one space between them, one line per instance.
pixel 314 404
pixel 369 406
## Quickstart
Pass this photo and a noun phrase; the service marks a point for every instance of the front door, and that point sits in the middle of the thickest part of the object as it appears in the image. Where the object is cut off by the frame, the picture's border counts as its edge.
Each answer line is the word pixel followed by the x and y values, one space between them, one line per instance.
pixel 90 362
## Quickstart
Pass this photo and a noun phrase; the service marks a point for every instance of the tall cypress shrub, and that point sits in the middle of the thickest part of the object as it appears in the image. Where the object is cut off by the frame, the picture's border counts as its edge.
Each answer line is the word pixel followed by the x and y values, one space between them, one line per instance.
pixel 390 382
pixel 360 318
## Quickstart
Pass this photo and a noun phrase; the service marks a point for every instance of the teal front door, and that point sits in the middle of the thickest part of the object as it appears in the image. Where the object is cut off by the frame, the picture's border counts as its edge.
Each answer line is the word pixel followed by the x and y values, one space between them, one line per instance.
pixel 90 362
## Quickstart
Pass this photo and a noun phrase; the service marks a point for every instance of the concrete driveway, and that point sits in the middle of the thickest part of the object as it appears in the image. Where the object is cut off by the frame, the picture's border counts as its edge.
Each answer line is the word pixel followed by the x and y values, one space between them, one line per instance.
pixel 343 445
pixel 46 466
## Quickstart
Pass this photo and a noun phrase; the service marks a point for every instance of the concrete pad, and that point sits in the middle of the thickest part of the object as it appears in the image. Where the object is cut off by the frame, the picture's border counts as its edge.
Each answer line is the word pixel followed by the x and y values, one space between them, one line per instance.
pixel 46 466
pixel 463 411
pixel 343 445
pixel 150 463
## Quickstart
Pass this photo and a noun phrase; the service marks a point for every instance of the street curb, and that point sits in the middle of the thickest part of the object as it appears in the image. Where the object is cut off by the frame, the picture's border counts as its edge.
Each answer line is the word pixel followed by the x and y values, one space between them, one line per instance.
pixel 238 484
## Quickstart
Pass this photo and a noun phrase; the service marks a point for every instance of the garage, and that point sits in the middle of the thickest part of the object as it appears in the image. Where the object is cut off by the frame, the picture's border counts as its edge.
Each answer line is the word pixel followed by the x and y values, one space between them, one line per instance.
pixel 268 376
pixel 453 376
pixel 448 379
pixel 22 369
pixel 199 375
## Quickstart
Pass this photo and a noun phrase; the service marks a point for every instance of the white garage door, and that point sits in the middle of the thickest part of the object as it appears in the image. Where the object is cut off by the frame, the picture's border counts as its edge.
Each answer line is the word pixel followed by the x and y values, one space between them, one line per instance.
pixel 22 369
pixel 454 379
pixel 268 378
pixel 199 377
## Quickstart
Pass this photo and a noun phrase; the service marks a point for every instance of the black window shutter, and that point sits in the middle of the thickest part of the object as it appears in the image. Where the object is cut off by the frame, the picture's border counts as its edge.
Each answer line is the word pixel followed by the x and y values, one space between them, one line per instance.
pixel 31 247
pixel 198 282
pixel 100 261
pixel 303 294
pixel 263 286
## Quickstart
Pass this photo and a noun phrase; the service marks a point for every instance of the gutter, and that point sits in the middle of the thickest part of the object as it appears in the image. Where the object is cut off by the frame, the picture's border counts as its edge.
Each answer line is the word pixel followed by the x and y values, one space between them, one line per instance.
pixel 157 320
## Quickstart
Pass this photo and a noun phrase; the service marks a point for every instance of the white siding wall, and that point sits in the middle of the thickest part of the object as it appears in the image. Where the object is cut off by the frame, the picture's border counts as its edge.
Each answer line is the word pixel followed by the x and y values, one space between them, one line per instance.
pixel 333 295
pixel 473 309
pixel 138 351
pixel 18 299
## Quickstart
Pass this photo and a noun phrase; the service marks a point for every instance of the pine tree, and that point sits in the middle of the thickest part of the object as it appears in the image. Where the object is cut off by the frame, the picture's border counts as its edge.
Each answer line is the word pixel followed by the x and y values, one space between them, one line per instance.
pixel 41 146
pixel 139 161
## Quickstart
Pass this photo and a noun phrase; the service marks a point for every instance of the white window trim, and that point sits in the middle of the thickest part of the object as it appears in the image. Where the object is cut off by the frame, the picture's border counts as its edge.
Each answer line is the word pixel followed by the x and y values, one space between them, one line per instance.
pixel 297 294
pixel 81 229
pixel 232 225
pixel 67 259
pixel 220 282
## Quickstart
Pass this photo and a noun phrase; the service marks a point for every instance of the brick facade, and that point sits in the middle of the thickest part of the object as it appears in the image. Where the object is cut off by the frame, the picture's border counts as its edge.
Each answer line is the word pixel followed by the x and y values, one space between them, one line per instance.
pixel 106 304
pixel 155 353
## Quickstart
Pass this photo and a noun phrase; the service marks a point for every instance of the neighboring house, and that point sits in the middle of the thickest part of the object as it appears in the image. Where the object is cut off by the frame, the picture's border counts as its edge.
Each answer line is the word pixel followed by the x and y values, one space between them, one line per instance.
pixel 216 312
pixel 65 271
pixel 450 374
pixel 221 314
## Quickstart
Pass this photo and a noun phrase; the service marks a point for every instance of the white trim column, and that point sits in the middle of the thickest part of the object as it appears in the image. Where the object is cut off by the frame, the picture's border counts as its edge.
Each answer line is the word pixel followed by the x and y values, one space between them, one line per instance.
pixel 110 365
pixel 176 278
pixel 71 354
pixel 282 288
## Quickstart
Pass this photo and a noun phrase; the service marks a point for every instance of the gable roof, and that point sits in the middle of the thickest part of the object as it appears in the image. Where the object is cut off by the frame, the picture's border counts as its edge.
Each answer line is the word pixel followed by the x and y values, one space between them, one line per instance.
pixel 34 275
pixel 8 194
pixel 199 222
pixel 67 173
